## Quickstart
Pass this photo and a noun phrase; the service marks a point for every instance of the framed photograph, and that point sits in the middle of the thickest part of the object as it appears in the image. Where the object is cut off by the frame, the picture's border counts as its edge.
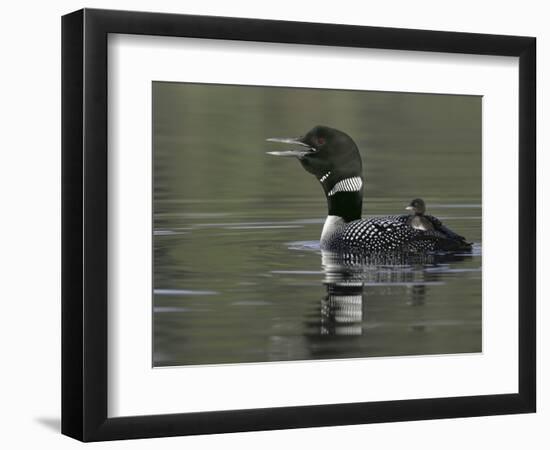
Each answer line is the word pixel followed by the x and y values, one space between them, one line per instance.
pixel 273 224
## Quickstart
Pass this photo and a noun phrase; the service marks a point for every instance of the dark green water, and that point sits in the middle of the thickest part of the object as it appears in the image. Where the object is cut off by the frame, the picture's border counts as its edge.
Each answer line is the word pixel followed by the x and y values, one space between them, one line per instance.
pixel 238 276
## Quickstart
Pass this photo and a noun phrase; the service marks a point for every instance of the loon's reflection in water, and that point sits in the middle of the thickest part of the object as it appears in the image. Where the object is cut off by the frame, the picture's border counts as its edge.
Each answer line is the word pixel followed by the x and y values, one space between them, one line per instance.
pixel 349 279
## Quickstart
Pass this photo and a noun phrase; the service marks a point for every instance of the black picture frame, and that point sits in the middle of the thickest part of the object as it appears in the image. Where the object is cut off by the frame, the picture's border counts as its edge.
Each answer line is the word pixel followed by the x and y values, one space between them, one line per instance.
pixel 84 224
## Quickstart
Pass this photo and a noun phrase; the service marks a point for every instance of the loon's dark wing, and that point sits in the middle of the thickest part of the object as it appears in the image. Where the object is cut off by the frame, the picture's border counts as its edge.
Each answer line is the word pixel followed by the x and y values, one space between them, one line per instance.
pixel 444 242
pixel 438 225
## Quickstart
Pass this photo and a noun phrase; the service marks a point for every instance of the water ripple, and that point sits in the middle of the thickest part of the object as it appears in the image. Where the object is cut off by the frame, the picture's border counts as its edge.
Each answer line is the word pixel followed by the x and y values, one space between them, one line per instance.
pixel 182 292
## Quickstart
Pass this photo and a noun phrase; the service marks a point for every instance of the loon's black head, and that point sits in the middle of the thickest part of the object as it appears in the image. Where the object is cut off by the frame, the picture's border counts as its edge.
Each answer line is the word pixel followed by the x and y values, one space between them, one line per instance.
pixel 417 206
pixel 332 156
pixel 329 154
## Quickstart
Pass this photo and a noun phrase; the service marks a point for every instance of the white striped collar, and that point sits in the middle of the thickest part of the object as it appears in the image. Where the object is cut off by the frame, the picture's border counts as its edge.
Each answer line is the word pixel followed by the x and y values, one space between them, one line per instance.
pixel 352 184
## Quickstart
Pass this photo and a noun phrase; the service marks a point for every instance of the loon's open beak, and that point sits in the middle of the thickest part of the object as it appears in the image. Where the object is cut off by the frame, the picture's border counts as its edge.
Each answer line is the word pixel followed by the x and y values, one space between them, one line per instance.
pixel 298 153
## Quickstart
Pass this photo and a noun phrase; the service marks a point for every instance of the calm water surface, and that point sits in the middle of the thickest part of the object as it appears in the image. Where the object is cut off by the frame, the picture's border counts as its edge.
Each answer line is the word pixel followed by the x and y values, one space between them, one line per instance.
pixel 238 274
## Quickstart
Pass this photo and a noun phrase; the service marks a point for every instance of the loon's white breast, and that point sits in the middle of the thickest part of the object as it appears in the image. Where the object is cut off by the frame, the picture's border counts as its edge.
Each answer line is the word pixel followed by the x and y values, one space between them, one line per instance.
pixel 333 224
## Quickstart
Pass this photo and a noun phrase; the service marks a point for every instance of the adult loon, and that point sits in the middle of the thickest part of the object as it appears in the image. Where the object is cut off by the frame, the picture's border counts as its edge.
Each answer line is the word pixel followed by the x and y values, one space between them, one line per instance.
pixel 333 158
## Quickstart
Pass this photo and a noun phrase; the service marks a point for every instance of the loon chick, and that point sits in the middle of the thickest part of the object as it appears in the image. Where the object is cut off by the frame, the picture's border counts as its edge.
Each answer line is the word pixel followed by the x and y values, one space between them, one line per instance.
pixel 333 158
pixel 420 221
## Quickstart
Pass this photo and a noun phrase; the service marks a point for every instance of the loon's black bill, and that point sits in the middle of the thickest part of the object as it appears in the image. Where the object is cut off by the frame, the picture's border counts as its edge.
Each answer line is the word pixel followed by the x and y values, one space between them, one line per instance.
pixel 291 141
pixel 295 153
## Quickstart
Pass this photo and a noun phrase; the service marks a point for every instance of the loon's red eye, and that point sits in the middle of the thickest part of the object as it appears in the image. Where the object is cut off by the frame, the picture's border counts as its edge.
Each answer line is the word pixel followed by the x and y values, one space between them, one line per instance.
pixel 321 140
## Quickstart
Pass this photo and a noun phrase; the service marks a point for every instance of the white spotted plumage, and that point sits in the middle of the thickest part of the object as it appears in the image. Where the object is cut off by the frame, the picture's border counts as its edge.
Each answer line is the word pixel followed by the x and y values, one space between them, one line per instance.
pixel 379 234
